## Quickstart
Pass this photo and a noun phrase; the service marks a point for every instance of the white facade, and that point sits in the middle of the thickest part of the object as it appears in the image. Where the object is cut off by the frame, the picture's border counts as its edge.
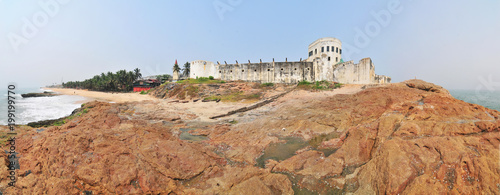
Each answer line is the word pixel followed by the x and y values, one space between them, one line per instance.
pixel 324 53
pixel 328 48
pixel 202 68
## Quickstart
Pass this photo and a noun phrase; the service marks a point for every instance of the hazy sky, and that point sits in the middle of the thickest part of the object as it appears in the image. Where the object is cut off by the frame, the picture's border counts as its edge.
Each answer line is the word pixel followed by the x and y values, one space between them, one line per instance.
pixel 453 43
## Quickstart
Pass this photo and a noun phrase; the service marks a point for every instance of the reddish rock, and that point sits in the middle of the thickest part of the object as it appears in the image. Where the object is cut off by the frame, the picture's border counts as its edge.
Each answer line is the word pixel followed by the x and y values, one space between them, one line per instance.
pixel 403 138
pixel 299 162
pixel 331 144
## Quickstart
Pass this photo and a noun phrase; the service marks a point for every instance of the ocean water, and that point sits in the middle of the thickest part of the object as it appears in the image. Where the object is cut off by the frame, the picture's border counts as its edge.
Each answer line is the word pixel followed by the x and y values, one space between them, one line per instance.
pixel 39 108
pixel 488 99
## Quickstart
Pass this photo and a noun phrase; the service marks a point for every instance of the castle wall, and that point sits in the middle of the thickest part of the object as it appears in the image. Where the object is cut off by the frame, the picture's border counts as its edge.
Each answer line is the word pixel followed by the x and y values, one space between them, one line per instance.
pixel 269 72
pixel 202 68
pixel 291 72
pixel 382 79
pixel 323 63
pixel 361 73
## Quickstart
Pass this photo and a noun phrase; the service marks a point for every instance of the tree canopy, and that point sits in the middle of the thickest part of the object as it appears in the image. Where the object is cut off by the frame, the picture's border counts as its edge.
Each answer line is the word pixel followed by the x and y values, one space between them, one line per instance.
pixel 119 81
pixel 176 67
pixel 187 69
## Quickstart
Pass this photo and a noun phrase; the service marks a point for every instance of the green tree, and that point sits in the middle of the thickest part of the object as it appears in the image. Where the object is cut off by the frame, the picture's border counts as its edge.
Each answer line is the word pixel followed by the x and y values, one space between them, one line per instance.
pixel 187 69
pixel 119 81
pixel 137 73
pixel 176 67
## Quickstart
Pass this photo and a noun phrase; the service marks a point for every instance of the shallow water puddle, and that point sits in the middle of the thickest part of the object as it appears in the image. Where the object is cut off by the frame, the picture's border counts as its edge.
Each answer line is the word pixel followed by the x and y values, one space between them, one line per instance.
pixel 286 149
pixel 185 135
pixel 281 151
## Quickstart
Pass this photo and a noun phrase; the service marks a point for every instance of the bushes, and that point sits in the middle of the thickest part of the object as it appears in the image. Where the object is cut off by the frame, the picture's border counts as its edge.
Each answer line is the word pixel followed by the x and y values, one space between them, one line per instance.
pixel 235 97
pixel 145 92
pixel 267 84
pixel 318 85
pixel 201 80
pixel 192 91
pixel 321 85
pixel 304 83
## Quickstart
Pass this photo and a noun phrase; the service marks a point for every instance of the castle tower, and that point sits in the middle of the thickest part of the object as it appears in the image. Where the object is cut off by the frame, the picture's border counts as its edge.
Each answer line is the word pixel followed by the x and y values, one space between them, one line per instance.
pixel 324 48
pixel 324 53
pixel 176 74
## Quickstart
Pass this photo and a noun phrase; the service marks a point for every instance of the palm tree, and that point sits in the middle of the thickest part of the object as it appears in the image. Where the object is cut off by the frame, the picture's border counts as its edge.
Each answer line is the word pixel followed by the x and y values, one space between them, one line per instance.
pixel 176 67
pixel 130 80
pixel 187 69
pixel 137 73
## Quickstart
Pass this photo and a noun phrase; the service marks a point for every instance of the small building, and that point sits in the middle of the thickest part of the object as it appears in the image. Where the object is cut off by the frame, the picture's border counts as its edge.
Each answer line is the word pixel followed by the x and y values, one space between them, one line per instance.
pixel 144 85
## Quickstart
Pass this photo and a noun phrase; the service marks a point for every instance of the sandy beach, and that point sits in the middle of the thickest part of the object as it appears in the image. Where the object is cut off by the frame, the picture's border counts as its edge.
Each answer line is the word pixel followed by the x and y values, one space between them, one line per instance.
pixel 103 96
pixel 203 110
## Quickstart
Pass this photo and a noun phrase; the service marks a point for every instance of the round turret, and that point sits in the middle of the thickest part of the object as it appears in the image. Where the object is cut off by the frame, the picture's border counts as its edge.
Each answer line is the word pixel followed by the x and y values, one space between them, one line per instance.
pixel 328 48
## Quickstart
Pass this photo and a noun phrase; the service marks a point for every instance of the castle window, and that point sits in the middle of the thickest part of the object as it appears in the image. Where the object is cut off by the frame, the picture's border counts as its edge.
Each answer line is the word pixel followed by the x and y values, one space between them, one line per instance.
pixel 340 51
pixel 337 50
pixel 242 70
pixel 336 59
pixel 281 69
pixel 307 68
pixel 315 51
pixel 327 48
pixel 220 71
pixel 231 70
pixel 328 58
pixel 255 70
pixel 295 69
pixel 310 53
pixel 268 69
pixel 322 49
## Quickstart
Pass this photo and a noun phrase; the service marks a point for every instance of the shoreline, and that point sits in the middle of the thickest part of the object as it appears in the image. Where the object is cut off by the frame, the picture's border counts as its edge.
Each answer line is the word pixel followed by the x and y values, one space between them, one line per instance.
pixel 102 96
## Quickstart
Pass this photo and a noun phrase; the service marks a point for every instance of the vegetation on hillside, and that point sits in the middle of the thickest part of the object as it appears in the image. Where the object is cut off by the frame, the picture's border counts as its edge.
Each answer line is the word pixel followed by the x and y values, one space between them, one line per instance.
pixel 318 85
pixel 267 84
pixel 119 81
pixel 201 80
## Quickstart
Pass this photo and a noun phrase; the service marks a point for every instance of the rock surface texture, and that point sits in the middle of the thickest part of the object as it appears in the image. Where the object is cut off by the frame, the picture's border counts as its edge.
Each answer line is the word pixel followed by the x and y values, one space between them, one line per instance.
pixel 403 138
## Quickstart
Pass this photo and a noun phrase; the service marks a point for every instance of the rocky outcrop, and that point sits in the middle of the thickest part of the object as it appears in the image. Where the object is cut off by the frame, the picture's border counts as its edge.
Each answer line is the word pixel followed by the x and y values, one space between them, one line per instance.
pixel 410 137
pixel 403 138
pixel 44 94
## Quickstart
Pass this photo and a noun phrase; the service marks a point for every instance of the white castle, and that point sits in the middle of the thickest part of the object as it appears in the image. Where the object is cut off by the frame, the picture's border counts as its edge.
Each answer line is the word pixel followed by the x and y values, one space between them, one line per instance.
pixel 324 63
